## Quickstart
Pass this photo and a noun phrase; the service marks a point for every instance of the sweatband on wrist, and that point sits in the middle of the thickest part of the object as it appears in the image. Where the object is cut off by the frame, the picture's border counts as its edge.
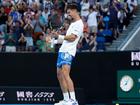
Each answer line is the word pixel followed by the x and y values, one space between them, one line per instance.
pixel 55 41
pixel 61 37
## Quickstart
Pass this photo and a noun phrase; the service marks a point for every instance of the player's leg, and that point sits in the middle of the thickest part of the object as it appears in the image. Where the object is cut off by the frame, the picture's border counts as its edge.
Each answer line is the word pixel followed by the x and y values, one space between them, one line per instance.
pixel 63 75
pixel 66 74
pixel 63 84
pixel 64 88
pixel 62 81
pixel 68 80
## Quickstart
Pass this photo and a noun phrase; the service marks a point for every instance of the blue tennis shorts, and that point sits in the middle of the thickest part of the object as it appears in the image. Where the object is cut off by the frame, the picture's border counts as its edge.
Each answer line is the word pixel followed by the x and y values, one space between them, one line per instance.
pixel 64 58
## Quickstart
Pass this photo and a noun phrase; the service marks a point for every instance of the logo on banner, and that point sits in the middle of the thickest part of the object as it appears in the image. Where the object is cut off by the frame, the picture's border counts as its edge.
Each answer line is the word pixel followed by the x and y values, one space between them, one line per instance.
pixel 35 96
pixel 135 58
pixel 2 97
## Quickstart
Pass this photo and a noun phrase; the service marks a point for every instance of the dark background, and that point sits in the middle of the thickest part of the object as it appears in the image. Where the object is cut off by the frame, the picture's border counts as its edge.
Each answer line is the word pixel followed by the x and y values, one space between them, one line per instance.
pixel 96 73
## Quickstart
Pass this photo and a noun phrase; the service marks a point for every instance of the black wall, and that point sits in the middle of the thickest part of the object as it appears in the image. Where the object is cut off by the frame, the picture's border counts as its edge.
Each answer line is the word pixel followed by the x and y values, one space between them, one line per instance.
pixel 96 73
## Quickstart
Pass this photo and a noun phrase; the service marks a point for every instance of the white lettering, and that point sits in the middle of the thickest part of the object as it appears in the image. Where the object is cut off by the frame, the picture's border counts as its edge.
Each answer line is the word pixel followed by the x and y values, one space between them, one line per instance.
pixel 2 94
pixel 135 56
pixel 29 94
pixel 20 94
pixel 137 63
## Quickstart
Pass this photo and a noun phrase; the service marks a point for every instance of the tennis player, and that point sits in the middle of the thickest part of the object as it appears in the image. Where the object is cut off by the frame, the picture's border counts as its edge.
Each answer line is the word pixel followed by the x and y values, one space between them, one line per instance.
pixel 66 54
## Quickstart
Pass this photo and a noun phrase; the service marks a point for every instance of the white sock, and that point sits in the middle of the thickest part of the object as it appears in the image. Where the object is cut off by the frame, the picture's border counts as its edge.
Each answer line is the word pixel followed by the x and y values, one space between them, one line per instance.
pixel 66 96
pixel 72 96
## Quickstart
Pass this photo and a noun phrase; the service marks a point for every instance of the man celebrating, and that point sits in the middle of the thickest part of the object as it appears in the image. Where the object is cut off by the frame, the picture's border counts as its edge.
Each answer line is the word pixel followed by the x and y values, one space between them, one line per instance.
pixel 66 54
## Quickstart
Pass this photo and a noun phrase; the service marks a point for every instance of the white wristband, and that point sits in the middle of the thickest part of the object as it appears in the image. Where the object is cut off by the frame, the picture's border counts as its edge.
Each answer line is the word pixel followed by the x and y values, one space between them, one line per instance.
pixel 55 41
pixel 61 37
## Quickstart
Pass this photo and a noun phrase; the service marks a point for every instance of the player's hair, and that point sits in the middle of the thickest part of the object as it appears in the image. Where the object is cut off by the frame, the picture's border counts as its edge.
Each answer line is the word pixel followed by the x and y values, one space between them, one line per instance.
pixel 73 6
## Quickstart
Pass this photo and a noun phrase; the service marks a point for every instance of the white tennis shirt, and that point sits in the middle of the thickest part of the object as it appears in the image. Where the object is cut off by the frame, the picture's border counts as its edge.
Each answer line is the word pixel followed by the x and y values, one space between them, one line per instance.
pixel 75 28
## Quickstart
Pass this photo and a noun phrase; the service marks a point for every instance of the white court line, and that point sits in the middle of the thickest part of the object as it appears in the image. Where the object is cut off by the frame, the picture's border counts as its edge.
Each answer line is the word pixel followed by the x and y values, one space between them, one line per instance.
pixel 130 39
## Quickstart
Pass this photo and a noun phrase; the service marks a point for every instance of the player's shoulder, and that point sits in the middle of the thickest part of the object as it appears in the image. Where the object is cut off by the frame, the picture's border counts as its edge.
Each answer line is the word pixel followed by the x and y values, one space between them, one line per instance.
pixel 79 22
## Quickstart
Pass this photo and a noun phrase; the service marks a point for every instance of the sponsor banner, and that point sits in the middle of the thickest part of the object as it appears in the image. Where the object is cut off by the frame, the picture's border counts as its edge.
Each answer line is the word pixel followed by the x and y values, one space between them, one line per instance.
pixel 34 95
pixel 29 95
